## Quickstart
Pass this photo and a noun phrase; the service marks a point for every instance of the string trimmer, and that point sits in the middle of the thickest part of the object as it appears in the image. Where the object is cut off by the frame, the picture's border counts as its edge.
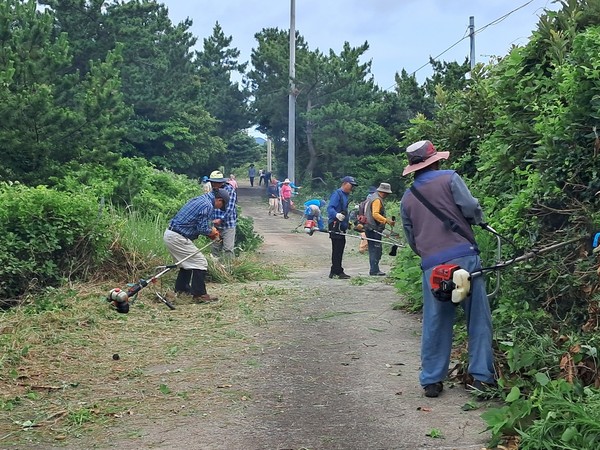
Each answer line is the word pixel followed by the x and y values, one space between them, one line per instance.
pixel 121 298
pixel 450 282
pixel 394 244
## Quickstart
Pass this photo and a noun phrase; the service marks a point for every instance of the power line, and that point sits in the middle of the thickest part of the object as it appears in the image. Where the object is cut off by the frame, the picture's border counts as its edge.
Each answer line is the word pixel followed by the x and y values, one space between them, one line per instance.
pixel 493 22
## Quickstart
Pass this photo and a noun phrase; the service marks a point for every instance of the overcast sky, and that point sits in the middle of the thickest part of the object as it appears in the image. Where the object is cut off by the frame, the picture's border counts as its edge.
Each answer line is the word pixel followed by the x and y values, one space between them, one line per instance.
pixel 401 33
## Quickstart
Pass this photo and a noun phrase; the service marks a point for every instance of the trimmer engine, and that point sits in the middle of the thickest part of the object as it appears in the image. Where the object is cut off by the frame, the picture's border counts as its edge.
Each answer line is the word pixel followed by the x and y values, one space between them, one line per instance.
pixel 310 226
pixel 450 283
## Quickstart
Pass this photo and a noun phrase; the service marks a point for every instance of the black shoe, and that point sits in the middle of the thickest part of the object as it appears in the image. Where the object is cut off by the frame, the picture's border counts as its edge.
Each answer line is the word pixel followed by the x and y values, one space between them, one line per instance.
pixel 482 390
pixel 378 274
pixel 433 390
pixel 341 276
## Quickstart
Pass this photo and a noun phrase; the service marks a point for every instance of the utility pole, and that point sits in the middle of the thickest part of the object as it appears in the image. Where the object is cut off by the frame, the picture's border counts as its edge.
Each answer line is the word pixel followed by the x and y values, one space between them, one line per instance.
pixel 269 155
pixel 472 40
pixel 292 98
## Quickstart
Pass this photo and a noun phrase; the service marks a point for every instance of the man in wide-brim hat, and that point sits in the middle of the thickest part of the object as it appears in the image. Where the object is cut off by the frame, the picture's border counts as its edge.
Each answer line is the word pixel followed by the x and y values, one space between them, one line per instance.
pixel 437 213
pixel 376 222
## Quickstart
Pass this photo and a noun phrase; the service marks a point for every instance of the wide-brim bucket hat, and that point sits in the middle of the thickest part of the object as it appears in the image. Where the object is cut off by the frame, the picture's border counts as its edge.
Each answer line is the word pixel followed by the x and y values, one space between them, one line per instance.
pixel 385 187
pixel 422 154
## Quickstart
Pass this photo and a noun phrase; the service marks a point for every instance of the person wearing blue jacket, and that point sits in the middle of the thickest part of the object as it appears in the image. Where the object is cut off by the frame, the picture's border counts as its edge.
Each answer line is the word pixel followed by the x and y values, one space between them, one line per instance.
pixel 312 211
pixel 338 219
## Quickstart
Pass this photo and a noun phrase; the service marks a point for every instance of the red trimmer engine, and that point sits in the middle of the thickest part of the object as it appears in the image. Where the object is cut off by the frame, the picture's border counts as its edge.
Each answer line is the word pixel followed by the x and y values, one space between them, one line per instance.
pixel 310 226
pixel 450 283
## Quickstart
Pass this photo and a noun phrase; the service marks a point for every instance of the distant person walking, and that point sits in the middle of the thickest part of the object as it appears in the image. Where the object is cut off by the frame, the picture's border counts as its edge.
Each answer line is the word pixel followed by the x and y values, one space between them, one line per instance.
pixel 261 176
pixel 267 177
pixel 251 174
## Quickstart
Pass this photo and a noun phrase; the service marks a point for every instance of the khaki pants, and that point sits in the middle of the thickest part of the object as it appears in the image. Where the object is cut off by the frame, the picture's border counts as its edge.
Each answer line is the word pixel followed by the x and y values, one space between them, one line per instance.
pixel 180 247
pixel 273 205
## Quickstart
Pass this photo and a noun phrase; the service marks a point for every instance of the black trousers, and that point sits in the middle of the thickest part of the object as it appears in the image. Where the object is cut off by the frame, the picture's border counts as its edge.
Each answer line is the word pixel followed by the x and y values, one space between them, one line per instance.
pixel 191 281
pixel 338 243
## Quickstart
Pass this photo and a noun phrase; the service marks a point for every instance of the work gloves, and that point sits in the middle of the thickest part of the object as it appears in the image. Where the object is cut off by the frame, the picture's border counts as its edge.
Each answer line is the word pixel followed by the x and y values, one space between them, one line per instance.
pixel 340 217
pixel 214 234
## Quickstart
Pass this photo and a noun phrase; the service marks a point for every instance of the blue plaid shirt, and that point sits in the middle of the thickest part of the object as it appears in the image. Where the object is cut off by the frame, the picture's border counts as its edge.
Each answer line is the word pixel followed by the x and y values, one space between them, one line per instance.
pixel 195 218
pixel 229 216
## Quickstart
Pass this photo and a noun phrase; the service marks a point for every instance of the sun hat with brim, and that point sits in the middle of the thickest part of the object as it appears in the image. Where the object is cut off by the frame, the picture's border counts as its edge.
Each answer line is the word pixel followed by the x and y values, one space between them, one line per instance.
pixel 217 177
pixel 287 180
pixel 422 154
pixel 385 187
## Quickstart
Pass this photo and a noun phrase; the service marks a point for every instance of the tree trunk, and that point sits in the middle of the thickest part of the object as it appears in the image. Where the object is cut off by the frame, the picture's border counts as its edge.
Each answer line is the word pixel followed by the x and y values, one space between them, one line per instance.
pixel 312 152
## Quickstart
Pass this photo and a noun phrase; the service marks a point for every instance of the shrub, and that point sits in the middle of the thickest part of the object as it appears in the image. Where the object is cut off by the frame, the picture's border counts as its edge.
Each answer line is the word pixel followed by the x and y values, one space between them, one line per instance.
pixel 46 236
pixel 132 183
pixel 245 237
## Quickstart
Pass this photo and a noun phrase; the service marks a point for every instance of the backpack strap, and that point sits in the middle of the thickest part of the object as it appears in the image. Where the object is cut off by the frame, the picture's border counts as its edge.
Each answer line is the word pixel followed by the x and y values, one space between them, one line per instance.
pixel 449 224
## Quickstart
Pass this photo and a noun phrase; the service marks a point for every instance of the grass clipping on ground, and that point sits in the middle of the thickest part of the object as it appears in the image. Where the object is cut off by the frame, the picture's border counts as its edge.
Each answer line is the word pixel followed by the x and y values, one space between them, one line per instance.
pixel 70 363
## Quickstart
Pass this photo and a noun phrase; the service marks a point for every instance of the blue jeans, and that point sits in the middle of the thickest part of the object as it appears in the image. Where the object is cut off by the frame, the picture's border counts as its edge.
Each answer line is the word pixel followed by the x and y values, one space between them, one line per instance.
pixel 375 251
pixel 438 320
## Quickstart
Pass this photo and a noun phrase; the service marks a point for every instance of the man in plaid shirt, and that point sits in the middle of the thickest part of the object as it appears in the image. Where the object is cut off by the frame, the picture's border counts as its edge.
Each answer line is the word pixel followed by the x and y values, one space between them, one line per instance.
pixel 194 219
pixel 224 220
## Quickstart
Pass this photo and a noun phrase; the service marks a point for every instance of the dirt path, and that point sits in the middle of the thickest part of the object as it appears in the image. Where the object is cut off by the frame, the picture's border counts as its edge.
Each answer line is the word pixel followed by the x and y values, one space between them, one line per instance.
pixel 338 368
pixel 334 368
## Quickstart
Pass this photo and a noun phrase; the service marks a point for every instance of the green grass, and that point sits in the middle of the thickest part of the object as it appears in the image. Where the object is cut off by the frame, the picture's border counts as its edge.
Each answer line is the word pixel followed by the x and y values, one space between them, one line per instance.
pixel 57 367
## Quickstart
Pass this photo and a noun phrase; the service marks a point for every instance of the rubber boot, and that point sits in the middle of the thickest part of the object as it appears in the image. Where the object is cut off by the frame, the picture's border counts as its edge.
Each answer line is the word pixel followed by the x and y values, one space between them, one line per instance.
pixel 199 287
pixel 182 283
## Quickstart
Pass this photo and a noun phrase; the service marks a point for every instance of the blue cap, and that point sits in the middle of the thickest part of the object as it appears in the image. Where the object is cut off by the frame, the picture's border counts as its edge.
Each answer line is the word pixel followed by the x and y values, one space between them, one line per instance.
pixel 349 179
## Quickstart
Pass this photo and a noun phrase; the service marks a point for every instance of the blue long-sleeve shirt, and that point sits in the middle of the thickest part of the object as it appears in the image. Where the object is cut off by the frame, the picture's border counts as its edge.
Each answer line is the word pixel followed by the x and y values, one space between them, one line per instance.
pixel 338 203
pixel 195 217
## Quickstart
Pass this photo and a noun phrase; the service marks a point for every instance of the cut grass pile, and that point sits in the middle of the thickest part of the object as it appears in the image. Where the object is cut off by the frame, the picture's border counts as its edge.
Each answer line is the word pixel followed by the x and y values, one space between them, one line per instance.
pixel 70 365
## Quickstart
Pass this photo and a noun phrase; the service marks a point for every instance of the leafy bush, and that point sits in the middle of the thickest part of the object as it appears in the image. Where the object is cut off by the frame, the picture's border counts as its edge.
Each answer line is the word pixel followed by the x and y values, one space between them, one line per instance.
pixel 557 414
pixel 407 273
pixel 246 239
pixel 132 183
pixel 46 236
